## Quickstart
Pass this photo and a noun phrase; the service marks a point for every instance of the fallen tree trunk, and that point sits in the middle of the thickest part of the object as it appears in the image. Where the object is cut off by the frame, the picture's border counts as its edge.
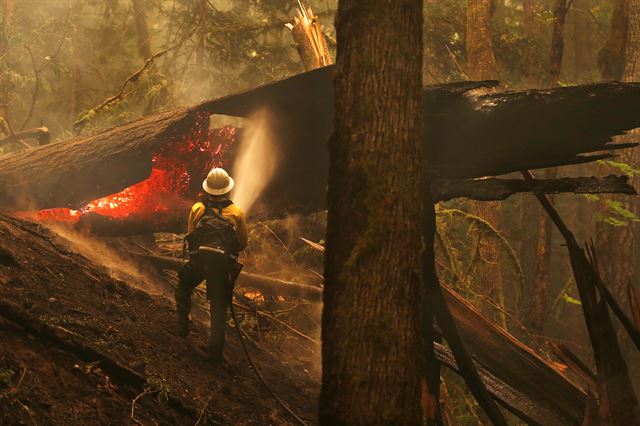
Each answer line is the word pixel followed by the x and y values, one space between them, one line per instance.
pixel 519 403
pixel 508 361
pixel 173 219
pixel 72 173
pixel 497 128
pixel 500 189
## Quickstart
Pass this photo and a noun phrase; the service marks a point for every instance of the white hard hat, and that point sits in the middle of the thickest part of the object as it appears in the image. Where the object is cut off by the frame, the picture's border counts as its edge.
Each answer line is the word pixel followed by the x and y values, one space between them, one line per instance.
pixel 218 182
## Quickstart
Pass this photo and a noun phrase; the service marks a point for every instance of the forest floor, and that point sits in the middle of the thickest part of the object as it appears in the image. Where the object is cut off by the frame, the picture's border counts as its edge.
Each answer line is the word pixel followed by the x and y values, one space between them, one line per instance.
pixel 79 345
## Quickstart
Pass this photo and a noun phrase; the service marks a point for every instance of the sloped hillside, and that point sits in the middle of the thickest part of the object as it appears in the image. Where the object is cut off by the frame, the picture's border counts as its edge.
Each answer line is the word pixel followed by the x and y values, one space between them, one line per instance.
pixel 81 347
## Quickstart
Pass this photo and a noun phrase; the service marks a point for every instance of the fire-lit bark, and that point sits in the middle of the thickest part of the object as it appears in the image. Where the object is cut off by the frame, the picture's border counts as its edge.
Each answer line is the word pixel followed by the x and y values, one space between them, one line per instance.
pixel 611 57
pixel 371 319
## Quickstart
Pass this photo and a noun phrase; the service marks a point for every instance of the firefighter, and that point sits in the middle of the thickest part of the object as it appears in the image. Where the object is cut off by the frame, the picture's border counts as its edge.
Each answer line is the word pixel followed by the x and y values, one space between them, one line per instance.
pixel 214 222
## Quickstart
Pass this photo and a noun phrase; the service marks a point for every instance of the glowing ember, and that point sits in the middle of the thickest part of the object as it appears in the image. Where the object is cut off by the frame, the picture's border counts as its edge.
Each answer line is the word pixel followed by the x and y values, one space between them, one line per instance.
pixel 176 176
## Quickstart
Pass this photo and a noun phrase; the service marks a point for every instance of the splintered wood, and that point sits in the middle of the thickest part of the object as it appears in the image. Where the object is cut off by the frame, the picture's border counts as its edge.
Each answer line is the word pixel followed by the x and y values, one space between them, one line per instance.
pixel 310 41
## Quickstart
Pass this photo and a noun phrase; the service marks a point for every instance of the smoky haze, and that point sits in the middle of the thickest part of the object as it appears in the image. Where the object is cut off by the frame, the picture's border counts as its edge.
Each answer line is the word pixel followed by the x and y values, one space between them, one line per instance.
pixel 256 160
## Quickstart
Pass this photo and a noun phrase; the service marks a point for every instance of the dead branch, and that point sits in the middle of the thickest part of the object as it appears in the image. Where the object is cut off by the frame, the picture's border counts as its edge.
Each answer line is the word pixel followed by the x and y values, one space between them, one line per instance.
pixel 500 189
pixel 627 324
pixel 41 134
pixel 79 124
pixel 310 41
pixel 279 321
pixel 36 88
pixel 576 365
pixel 618 403
pixel 147 391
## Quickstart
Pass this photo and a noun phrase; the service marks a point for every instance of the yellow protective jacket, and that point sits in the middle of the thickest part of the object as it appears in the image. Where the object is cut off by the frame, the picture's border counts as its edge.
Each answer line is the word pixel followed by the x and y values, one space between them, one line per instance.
pixel 231 212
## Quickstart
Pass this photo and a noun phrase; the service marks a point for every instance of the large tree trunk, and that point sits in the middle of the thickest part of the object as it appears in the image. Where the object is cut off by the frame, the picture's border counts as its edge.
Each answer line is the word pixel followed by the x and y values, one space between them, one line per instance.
pixel 481 62
pixel 481 65
pixel 371 353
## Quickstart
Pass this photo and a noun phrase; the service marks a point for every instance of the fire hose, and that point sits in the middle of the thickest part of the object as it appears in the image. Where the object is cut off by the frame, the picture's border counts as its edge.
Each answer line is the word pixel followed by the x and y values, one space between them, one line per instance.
pixel 233 275
pixel 258 373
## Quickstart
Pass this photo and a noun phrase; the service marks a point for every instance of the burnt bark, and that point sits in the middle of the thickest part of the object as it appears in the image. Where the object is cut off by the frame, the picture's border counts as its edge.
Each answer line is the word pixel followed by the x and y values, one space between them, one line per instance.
pixel 371 324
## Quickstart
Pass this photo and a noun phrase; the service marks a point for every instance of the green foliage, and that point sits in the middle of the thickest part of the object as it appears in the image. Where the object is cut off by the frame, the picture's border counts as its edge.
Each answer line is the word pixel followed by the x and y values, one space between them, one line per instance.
pixel 570 299
pixel 625 168
pixel 160 386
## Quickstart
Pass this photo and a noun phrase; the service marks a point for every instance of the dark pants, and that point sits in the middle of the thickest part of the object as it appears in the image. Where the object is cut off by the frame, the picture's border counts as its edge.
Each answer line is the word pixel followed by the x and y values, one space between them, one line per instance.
pixel 219 292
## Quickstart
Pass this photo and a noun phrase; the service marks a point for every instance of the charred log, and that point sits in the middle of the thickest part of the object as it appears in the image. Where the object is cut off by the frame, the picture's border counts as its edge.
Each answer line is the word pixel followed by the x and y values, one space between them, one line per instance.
pixel 519 403
pixel 507 132
pixel 72 173
pixel 500 189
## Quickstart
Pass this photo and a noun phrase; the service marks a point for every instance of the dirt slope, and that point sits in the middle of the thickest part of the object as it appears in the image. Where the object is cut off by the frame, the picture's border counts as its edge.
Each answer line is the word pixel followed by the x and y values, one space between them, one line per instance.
pixel 78 346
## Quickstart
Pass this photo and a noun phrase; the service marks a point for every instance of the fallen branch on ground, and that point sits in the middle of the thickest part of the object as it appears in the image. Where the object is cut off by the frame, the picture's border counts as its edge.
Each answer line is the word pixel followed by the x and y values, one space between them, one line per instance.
pixel 41 134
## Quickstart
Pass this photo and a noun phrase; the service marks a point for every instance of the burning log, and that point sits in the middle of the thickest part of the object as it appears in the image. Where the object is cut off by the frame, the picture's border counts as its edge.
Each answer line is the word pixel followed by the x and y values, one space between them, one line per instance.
pixel 497 127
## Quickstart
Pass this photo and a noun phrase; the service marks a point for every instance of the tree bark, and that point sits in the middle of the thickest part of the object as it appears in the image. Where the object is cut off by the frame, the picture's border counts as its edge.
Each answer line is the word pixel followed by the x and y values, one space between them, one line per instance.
pixel 371 323
pixel 481 62
pixel 539 293
pixel 481 65
pixel 611 57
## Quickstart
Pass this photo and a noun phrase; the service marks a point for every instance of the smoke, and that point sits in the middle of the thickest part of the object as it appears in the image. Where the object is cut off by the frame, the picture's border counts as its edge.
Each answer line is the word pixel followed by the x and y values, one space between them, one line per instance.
pixel 101 253
pixel 256 160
